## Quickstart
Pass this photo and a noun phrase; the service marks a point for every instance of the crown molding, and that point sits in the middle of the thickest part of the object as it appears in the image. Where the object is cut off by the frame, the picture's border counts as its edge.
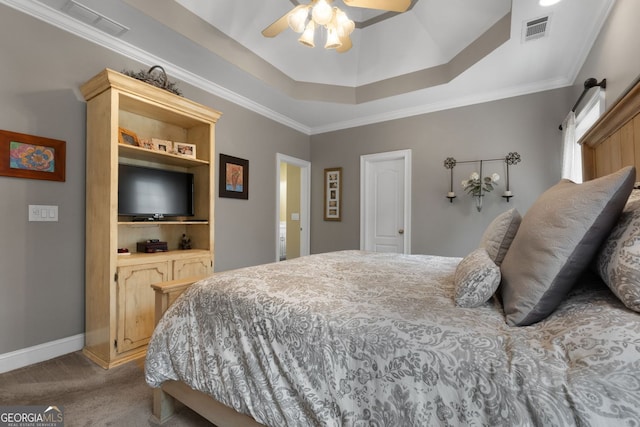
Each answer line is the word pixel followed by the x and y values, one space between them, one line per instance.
pixel 60 20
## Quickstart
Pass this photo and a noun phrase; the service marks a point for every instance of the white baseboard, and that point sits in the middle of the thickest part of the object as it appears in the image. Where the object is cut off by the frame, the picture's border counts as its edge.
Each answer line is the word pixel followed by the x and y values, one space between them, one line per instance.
pixel 40 353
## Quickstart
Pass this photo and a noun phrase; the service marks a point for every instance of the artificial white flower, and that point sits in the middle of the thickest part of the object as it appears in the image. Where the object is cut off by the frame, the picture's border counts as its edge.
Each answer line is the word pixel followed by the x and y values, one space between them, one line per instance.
pixel 475 186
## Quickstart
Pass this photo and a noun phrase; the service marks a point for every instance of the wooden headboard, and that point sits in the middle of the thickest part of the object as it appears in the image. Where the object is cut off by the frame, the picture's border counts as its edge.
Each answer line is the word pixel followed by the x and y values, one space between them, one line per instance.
pixel 614 140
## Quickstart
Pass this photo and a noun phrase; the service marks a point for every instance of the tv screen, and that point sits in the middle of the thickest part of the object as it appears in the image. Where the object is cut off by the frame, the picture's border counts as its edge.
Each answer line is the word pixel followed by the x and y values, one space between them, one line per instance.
pixel 154 193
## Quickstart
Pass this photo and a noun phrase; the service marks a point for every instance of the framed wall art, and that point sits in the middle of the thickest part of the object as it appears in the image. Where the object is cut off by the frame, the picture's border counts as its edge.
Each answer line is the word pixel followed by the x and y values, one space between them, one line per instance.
pixel 234 177
pixel 333 194
pixel 34 157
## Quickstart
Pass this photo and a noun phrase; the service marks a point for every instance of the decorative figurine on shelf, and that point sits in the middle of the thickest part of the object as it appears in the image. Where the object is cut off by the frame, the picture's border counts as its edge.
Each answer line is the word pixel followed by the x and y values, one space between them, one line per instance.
pixel 185 242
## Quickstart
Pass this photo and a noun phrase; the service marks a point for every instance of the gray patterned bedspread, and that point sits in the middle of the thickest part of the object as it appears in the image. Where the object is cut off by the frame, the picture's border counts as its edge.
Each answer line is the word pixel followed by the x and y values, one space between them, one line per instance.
pixel 366 339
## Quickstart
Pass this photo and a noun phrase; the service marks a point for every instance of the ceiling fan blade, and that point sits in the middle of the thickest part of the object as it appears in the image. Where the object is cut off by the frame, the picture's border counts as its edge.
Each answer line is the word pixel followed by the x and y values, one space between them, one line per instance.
pixel 281 24
pixel 391 5
pixel 346 44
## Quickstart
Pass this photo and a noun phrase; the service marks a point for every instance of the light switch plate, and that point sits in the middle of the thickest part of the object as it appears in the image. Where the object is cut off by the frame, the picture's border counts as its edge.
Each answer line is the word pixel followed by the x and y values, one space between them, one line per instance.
pixel 43 213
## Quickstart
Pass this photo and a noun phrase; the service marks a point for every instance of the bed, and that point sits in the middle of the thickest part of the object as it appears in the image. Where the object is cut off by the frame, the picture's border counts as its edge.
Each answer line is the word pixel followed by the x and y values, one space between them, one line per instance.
pixel 355 338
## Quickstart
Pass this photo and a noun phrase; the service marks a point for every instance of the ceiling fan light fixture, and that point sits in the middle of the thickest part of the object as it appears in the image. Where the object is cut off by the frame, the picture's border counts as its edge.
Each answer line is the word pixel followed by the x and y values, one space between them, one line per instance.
pixel 308 35
pixel 333 41
pixel 322 12
pixel 305 18
pixel 298 19
pixel 344 25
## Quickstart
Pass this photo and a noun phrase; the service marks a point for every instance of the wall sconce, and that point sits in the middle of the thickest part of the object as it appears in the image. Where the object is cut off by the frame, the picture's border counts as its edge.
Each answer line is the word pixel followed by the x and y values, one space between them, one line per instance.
pixel 450 163
pixel 511 159
pixel 477 185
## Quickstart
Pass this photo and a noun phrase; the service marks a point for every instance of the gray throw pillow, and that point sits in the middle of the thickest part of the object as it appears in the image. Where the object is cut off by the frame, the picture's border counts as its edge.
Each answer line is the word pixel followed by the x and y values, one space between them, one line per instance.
pixel 618 261
pixel 556 241
pixel 500 233
pixel 476 279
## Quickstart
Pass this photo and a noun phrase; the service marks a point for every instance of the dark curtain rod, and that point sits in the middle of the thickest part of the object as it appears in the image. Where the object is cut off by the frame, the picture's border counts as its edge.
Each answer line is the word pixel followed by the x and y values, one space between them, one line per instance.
pixel 588 84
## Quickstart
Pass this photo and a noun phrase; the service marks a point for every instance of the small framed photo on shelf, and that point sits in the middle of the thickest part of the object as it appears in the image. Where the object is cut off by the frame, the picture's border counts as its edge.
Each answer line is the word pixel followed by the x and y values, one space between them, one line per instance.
pixel 234 177
pixel 33 157
pixel 146 143
pixel 125 136
pixel 184 149
pixel 162 145
pixel 333 194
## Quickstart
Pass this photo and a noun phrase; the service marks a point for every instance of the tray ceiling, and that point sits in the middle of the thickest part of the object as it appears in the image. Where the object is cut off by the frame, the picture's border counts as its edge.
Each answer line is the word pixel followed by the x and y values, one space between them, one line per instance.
pixel 440 54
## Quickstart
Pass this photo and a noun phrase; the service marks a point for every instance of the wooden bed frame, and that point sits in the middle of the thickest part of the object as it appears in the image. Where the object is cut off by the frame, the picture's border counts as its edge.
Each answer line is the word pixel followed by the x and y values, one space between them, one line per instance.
pixel 614 140
pixel 612 143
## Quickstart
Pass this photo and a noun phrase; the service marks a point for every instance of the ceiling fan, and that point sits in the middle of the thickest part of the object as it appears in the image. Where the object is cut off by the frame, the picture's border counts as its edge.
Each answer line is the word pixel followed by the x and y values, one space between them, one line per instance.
pixel 305 18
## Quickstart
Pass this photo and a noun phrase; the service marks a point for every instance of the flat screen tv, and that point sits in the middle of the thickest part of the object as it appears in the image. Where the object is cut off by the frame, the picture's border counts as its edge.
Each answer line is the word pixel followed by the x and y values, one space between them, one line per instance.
pixel 152 194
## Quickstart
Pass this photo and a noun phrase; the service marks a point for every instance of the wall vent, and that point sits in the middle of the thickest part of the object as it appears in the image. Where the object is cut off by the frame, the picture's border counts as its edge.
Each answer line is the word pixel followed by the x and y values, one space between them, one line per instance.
pixel 88 16
pixel 535 29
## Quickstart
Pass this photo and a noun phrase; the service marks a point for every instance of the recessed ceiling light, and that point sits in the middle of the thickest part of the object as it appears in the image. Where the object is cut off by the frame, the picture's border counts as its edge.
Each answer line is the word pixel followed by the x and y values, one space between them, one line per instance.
pixel 548 2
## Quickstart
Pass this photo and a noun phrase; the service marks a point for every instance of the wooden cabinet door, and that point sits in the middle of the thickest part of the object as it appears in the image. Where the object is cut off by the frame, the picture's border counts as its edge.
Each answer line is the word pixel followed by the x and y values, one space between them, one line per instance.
pixel 190 267
pixel 135 307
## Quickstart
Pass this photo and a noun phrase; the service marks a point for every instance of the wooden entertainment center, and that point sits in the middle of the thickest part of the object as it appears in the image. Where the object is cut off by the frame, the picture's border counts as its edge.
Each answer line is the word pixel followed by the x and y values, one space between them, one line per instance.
pixel 119 301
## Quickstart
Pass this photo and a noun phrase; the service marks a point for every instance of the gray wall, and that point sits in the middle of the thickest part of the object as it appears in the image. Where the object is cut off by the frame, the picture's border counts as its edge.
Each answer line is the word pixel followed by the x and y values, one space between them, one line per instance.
pixel 526 124
pixel 246 229
pixel 614 55
pixel 42 264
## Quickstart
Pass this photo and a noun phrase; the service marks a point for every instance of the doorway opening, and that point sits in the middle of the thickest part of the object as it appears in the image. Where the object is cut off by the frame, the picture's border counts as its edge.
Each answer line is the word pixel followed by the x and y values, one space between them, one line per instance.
pixel 293 189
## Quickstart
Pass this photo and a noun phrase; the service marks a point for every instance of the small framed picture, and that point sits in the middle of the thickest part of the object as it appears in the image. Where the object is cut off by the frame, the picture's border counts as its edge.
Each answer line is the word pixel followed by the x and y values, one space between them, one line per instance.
pixel 184 149
pixel 125 136
pixel 333 194
pixel 234 177
pixel 162 145
pixel 146 143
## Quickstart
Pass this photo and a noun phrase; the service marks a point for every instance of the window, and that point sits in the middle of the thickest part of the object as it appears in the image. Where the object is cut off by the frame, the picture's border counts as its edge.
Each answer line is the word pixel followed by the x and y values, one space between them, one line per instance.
pixel 589 114
pixel 574 129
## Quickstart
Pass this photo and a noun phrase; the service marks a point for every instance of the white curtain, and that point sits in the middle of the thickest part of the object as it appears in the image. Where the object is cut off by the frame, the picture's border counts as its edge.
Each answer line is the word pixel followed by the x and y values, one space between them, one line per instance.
pixel 572 152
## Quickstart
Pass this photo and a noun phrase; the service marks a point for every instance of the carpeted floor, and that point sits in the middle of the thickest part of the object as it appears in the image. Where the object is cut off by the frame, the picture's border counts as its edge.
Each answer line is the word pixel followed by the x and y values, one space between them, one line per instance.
pixel 91 396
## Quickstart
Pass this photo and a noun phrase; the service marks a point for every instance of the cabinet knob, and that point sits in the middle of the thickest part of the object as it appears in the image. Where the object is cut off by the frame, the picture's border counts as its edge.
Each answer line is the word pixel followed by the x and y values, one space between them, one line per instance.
pixel 401 231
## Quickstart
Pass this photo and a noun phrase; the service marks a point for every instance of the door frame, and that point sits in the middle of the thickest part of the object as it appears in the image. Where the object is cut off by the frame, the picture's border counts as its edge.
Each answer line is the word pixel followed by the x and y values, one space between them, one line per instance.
pixel 365 164
pixel 305 203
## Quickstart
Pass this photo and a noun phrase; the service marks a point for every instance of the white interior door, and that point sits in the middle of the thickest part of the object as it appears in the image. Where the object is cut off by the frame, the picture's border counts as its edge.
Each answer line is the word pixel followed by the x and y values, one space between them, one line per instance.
pixel 386 202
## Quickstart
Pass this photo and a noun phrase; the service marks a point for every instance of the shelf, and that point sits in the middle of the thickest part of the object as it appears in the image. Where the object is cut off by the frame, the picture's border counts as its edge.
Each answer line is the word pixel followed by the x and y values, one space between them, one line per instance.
pixel 139 153
pixel 145 223
pixel 135 258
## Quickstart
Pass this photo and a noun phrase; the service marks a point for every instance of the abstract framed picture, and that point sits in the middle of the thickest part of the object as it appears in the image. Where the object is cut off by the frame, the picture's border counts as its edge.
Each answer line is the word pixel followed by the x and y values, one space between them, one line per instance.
pixel 33 157
pixel 333 194
pixel 234 177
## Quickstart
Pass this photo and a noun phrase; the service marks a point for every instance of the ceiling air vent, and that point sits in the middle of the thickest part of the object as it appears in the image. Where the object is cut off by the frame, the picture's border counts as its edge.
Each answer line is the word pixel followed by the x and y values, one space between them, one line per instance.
pixel 88 16
pixel 535 29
